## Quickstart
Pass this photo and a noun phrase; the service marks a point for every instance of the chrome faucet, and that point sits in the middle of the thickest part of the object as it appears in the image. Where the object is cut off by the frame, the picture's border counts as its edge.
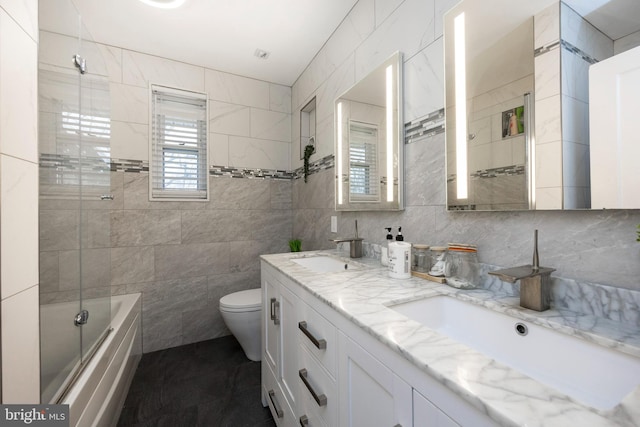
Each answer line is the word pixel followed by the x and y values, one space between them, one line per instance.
pixel 355 244
pixel 535 281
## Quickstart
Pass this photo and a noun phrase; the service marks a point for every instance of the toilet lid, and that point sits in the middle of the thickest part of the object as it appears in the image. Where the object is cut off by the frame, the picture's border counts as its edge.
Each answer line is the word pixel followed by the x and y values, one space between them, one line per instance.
pixel 243 299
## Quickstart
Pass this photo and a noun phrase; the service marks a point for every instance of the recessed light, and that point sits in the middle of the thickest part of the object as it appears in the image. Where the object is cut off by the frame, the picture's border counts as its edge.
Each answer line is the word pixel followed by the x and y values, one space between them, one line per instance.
pixel 262 54
pixel 164 4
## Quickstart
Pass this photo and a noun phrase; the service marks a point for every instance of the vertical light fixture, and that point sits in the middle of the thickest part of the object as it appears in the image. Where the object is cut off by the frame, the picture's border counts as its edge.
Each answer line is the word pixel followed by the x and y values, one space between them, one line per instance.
pixel 339 153
pixel 461 106
pixel 390 127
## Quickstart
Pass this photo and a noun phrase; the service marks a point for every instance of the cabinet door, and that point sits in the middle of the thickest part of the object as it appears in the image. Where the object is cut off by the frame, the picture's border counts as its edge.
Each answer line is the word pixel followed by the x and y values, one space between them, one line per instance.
pixel 370 394
pixel 426 414
pixel 270 321
pixel 289 345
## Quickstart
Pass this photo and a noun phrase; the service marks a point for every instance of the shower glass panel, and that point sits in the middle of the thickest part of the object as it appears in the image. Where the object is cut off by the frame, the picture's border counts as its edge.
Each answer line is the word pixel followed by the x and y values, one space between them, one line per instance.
pixel 75 197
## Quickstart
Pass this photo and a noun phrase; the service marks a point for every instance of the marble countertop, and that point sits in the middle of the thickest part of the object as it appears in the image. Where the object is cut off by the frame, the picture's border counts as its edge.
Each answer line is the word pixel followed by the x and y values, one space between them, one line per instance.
pixel 364 291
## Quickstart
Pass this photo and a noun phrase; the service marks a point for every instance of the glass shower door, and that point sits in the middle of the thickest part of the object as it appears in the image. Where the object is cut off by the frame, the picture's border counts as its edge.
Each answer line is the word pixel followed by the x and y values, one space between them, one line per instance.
pixel 74 132
pixel 94 127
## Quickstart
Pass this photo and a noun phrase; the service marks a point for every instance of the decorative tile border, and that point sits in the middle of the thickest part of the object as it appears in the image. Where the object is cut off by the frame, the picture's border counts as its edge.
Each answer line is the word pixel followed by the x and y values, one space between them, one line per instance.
pixel 546 48
pixel 512 170
pixel 577 51
pixel 322 164
pixel 566 46
pixel 503 171
pixel 425 127
pixel 222 171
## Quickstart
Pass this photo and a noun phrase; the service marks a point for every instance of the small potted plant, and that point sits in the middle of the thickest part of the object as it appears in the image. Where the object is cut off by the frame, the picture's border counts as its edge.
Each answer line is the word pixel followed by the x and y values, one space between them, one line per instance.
pixel 295 245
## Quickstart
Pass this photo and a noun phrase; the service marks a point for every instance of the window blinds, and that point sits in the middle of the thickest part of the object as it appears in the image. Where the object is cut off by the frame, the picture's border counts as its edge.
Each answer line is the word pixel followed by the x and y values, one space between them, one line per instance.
pixel 364 182
pixel 178 144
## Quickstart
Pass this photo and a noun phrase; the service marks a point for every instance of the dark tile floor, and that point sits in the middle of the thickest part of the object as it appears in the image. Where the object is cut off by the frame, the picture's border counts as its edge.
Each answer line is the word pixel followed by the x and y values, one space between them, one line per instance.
pixel 208 384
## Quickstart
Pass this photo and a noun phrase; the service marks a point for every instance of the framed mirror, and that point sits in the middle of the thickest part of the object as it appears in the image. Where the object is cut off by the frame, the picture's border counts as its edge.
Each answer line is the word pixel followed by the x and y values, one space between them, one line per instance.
pixel 518 100
pixel 369 141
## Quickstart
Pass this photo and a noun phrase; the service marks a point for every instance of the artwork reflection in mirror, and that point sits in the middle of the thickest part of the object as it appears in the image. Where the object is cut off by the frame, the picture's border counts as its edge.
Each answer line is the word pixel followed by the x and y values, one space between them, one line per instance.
pixel 369 143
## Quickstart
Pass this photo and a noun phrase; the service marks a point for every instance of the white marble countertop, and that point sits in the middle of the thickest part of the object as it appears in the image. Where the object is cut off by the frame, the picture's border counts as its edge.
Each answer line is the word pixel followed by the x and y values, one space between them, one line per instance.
pixel 364 291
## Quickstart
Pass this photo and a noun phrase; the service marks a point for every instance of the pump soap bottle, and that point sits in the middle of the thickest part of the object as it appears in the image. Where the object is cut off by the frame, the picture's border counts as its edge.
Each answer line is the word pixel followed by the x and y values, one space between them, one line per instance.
pixel 384 250
pixel 400 257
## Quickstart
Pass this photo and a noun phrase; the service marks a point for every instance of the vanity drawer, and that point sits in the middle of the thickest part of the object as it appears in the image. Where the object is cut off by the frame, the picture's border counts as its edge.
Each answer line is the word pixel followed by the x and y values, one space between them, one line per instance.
pixel 280 410
pixel 317 394
pixel 318 336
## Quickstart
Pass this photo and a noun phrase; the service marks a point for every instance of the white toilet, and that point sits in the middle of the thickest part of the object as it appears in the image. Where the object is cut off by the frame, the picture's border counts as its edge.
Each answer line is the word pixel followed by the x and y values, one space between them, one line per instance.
pixel 241 313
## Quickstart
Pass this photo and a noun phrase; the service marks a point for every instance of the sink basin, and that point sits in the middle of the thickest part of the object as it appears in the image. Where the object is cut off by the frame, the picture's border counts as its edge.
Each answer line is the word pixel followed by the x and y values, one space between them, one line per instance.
pixel 322 264
pixel 589 373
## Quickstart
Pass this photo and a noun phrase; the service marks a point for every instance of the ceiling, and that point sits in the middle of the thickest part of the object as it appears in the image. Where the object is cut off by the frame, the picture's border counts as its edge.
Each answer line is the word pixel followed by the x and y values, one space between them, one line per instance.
pixel 224 34
pixel 217 34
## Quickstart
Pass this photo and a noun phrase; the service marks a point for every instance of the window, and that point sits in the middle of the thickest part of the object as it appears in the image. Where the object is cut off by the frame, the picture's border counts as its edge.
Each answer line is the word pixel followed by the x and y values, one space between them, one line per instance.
pixel 178 145
pixel 364 184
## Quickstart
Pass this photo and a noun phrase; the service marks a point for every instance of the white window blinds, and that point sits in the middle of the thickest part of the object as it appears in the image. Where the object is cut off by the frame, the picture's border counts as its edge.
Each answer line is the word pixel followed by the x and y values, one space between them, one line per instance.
pixel 364 182
pixel 178 144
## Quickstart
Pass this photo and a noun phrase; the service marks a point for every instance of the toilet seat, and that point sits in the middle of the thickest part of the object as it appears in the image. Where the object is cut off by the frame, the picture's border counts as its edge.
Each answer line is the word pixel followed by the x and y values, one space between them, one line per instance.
pixel 249 300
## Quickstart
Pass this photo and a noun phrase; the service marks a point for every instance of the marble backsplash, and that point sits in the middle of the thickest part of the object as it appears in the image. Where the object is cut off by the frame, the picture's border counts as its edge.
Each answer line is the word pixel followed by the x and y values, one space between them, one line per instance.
pixel 578 296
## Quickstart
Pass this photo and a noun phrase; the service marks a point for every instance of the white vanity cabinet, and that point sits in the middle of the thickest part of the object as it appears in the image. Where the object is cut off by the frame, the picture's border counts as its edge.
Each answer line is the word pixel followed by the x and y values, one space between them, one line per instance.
pixel 372 395
pixel 279 356
pixel 426 413
pixel 323 370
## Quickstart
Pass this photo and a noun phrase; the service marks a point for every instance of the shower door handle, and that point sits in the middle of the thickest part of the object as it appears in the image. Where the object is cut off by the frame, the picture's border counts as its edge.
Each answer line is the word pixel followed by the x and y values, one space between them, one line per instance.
pixel 81 318
pixel 106 197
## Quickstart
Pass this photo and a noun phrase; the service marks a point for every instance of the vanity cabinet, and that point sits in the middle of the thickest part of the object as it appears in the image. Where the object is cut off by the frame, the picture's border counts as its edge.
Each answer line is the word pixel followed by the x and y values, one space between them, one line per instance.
pixel 319 369
pixel 372 395
pixel 279 355
pixel 426 413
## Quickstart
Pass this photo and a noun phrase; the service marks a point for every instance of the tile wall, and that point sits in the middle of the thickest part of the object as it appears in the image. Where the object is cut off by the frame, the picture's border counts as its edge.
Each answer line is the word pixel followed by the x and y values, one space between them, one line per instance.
pixel 182 256
pixel 596 246
pixel 562 105
pixel 20 349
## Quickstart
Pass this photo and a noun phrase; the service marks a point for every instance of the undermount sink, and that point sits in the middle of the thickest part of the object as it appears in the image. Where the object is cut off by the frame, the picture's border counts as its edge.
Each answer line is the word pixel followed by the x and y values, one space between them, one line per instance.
pixel 322 264
pixel 589 373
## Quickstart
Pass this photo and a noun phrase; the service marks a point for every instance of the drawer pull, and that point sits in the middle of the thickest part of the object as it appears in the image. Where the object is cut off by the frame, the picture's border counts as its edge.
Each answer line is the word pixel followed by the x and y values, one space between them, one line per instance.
pixel 321 344
pixel 304 421
pixel 274 403
pixel 321 400
pixel 275 307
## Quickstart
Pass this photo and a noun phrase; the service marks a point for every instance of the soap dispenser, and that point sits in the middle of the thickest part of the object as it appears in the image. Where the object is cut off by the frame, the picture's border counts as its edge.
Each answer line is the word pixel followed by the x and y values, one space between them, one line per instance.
pixel 400 257
pixel 384 250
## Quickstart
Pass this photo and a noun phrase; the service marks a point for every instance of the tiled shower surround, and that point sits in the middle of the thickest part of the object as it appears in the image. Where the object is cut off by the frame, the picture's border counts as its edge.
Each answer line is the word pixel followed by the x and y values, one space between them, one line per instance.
pixel 184 256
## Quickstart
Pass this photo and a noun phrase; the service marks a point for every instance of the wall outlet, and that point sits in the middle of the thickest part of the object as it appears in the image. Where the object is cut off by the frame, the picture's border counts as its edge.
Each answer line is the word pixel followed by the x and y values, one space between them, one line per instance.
pixel 334 224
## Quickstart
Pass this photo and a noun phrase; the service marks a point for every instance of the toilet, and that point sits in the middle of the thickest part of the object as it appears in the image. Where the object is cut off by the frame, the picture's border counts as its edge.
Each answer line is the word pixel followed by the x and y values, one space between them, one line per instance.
pixel 241 313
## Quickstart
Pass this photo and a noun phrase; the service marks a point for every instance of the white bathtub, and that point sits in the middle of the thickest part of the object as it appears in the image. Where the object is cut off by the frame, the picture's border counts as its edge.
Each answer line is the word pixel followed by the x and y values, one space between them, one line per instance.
pixel 97 395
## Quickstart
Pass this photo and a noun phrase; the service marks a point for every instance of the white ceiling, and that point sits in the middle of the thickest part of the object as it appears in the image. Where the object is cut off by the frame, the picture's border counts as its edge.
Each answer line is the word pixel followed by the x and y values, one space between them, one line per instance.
pixel 615 18
pixel 224 34
pixel 218 34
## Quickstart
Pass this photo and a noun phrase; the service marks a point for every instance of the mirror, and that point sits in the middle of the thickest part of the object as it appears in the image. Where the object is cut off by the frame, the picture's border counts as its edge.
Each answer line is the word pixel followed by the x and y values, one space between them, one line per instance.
pixel 369 141
pixel 517 100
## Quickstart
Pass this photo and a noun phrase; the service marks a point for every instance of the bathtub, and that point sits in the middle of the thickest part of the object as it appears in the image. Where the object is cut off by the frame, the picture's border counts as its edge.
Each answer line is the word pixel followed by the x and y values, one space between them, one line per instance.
pixel 97 395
